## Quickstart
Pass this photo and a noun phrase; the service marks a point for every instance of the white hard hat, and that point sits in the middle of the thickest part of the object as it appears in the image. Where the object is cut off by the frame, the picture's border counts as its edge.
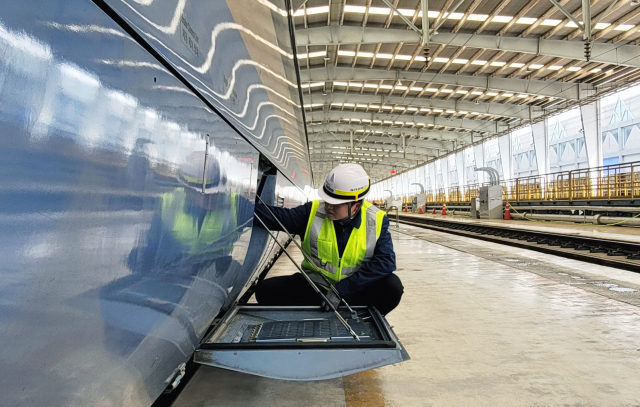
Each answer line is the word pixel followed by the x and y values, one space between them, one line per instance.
pixel 345 183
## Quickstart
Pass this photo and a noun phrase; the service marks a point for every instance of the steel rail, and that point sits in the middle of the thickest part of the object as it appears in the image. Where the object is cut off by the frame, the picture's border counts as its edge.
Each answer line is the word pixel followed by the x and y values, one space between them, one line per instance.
pixel 612 253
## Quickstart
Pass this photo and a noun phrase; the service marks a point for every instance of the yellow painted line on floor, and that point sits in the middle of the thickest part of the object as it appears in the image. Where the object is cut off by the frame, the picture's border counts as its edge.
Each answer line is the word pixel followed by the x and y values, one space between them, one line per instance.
pixel 363 390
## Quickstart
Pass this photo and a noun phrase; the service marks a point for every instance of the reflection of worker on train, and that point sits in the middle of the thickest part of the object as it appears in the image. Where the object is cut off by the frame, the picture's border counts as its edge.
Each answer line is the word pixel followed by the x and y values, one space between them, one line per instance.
pixel 196 225
pixel 348 240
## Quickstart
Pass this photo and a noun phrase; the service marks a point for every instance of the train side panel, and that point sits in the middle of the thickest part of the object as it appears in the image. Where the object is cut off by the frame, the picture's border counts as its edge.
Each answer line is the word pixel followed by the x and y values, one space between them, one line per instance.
pixel 126 211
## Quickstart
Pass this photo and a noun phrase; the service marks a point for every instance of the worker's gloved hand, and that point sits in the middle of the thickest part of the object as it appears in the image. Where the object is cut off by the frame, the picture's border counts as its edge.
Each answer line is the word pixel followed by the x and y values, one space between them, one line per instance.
pixel 333 299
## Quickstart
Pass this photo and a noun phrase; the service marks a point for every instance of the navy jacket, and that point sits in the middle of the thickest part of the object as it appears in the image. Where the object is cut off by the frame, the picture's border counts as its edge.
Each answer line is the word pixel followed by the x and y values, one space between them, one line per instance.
pixel 295 220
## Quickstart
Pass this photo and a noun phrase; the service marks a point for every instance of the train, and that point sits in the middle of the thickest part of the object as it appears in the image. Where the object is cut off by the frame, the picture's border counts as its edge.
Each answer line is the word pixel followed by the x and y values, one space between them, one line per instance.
pixel 136 136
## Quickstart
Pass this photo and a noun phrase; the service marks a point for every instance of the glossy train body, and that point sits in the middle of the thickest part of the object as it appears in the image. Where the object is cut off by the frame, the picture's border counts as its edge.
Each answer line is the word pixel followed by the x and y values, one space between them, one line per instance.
pixel 135 135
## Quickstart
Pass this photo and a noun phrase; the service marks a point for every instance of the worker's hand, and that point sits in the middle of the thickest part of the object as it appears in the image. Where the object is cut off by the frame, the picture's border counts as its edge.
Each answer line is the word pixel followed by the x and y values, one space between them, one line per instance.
pixel 333 299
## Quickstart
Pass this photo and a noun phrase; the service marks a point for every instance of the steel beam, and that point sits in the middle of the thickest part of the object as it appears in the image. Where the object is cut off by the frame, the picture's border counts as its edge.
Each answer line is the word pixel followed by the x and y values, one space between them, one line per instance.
pixel 561 90
pixel 523 112
pixel 478 126
pixel 627 55
pixel 425 134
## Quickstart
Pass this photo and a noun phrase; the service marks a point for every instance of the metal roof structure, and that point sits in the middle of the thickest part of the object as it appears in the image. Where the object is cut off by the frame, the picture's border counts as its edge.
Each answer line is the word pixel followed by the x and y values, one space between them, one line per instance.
pixel 382 91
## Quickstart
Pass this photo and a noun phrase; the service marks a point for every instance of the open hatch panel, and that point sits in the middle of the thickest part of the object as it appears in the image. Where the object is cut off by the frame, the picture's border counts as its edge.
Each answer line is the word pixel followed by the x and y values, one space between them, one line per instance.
pixel 299 343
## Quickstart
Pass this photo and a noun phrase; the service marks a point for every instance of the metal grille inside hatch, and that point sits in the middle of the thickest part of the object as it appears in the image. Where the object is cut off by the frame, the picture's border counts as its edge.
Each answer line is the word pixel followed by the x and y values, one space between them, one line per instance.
pixel 321 329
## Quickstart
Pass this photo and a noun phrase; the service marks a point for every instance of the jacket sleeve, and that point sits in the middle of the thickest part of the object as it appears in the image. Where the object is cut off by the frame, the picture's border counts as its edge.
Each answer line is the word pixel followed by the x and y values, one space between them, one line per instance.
pixel 294 219
pixel 381 264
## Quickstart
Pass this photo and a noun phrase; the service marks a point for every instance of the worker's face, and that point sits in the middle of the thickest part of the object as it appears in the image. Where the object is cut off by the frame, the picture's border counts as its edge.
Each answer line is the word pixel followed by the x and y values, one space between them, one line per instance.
pixel 340 211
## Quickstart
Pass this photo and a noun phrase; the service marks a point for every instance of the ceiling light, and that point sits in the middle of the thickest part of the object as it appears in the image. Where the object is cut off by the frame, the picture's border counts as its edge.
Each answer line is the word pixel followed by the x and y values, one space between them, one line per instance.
pixel 536 66
pixel 507 95
pixel 477 92
pixel 501 19
pixel 526 20
pixel 492 93
pixel 624 27
pixel 441 60
pixel 596 70
pixel 551 22
pixel 478 62
pixel 446 90
pixel 554 67
pixel 498 63
pixel 574 68
pixel 516 65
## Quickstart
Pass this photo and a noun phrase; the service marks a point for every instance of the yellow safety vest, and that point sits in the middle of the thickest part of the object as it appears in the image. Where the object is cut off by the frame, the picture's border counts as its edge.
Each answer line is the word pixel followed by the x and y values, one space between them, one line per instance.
pixel 184 226
pixel 321 244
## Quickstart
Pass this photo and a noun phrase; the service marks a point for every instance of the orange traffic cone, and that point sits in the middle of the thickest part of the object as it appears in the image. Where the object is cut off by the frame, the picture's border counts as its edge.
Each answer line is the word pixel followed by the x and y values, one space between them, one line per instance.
pixel 507 212
pixel 420 211
pixel 444 210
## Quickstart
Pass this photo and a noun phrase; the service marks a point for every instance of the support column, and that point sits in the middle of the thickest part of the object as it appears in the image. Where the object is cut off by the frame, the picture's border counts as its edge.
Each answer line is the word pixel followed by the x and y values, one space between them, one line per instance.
pixel 539 131
pixel 478 153
pixel 460 168
pixel 431 167
pixel 504 143
pixel 592 134
pixel 444 167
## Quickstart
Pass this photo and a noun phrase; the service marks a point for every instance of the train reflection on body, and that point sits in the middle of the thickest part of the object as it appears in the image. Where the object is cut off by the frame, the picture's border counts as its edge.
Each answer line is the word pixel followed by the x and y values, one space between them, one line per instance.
pixel 126 201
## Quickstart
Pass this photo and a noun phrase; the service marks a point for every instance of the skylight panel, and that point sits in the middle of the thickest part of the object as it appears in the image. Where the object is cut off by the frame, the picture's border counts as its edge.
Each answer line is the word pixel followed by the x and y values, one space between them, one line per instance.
pixel 516 65
pixel 400 87
pixel 386 107
pixel 446 91
pixel 526 20
pixel 571 24
pixel 340 83
pixel 477 17
pixel 371 85
pixel 431 90
pixel 536 66
pixel 355 84
pixel 450 111
pixel 507 95
pixel 355 9
pixel 624 27
pixel 522 96
pixel 403 57
pixel 365 54
pixel 596 70
pixel 601 26
pixel 492 93
pixel 386 87
pixel 459 61
pixel 349 105
pixel 374 107
pixel 441 59
pixel 498 63
pixel 477 92
pixel 416 89
pixel 346 53
pixel 574 68
pixel 478 62
pixel 437 110
pixel 551 22
pixel 384 56
pixel 555 67
pixel 501 19
pixel 463 92
pixel 413 109
pixel 420 58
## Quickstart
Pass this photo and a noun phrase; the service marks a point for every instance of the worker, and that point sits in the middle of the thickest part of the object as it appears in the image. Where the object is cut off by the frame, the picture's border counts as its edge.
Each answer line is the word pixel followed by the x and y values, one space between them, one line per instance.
pixel 348 241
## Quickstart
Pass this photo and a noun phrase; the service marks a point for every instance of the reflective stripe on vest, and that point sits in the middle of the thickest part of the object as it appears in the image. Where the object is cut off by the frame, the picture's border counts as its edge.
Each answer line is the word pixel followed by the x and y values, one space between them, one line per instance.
pixel 321 244
pixel 184 227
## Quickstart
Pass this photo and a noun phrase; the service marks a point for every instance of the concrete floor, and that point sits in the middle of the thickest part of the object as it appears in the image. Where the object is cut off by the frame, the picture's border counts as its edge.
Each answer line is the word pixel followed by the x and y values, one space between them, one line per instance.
pixel 485 325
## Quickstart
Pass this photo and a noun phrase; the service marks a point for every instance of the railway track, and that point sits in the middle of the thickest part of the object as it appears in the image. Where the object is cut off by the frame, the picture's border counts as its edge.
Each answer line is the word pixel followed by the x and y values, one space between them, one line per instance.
pixel 612 253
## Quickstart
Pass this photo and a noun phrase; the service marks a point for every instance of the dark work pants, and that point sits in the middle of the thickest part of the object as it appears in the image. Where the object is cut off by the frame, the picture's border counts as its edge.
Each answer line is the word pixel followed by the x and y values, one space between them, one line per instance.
pixel 384 294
